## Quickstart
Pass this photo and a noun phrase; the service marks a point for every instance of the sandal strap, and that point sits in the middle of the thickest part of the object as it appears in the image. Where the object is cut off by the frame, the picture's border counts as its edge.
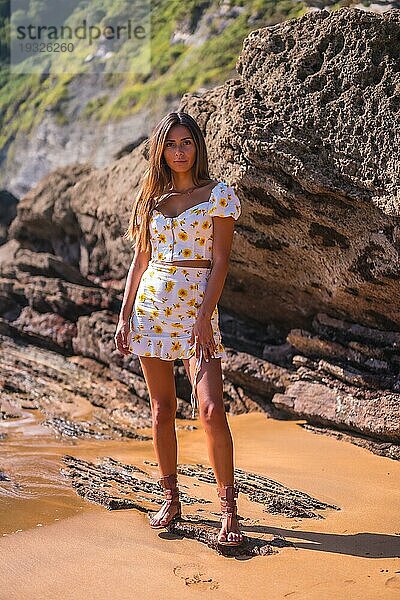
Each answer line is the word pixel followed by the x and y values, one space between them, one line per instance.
pixel 228 509
pixel 170 502
pixel 227 495
pixel 169 481
pixel 171 496
pixel 169 484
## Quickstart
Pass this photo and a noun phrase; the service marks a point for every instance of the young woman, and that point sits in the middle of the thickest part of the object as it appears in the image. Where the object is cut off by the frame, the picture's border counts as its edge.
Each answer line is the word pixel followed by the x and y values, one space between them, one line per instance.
pixel 182 224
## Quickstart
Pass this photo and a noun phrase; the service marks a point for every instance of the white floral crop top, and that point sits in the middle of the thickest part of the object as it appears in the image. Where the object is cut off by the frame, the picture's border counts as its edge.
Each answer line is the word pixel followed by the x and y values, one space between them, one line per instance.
pixel 189 235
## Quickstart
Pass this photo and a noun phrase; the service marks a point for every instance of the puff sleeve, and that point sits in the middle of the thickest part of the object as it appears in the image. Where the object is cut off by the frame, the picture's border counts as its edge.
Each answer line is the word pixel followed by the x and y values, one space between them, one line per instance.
pixel 224 203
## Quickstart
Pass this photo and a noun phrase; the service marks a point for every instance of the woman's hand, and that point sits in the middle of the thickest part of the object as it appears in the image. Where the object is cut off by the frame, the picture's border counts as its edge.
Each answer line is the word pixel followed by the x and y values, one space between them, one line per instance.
pixel 121 336
pixel 202 334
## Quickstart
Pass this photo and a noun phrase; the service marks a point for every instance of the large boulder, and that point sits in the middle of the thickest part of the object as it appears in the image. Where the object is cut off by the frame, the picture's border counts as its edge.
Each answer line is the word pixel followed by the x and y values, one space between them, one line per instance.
pixel 308 135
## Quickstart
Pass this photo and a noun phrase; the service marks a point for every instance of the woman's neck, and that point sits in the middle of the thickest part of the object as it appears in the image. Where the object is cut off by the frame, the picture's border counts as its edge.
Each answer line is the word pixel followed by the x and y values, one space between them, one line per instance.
pixel 182 182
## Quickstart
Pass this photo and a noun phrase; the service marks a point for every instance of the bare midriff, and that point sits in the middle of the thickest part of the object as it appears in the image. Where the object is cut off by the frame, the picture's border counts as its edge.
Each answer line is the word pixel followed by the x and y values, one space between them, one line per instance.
pixel 187 263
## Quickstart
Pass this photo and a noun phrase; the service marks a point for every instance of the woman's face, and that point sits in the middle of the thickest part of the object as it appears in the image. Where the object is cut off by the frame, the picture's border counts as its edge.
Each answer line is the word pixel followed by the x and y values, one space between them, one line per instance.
pixel 179 149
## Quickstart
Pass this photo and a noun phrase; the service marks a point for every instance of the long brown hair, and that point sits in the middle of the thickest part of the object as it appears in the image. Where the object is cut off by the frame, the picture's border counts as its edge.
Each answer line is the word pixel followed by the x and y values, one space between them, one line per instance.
pixel 158 175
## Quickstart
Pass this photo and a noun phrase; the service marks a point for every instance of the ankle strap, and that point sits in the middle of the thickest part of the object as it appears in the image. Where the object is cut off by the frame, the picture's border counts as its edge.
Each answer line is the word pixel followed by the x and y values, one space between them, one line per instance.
pixel 228 492
pixel 227 495
pixel 168 481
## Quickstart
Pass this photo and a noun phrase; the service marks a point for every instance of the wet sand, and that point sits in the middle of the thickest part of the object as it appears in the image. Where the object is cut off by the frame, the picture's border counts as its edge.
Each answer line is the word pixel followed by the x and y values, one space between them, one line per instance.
pixel 55 544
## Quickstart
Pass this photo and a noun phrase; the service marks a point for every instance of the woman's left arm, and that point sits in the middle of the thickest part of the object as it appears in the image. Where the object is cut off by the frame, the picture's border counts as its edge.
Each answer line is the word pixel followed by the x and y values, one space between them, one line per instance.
pixel 222 245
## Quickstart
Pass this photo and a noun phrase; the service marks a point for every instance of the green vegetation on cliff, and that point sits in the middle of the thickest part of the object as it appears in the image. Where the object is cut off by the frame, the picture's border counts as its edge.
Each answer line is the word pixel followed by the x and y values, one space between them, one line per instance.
pixel 184 57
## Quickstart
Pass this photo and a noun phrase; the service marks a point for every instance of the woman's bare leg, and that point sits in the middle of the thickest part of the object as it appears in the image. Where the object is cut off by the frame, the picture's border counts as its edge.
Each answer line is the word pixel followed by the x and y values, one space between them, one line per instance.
pixel 160 381
pixel 213 418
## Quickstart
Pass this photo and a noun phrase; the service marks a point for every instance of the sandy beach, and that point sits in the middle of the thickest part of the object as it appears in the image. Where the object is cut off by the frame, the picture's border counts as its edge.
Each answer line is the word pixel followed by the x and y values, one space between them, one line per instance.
pixel 57 545
pixel 106 150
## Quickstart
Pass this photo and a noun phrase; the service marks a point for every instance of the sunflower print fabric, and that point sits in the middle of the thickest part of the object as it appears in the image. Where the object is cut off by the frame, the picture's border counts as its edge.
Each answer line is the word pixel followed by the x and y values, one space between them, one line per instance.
pixel 164 312
pixel 169 296
pixel 189 235
pixel 165 309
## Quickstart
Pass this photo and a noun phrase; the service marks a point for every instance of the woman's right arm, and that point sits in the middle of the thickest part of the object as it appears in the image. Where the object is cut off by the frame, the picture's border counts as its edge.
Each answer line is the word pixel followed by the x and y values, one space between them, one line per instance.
pixel 138 266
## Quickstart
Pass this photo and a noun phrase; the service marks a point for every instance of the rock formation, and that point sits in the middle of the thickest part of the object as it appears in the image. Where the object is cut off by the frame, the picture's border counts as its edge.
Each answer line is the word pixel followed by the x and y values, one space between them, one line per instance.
pixel 98 116
pixel 117 486
pixel 307 133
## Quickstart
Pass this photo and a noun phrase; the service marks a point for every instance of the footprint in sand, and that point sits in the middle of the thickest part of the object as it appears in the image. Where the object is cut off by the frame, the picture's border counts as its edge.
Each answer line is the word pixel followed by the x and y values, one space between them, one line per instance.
pixel 193 575
pixel 393 583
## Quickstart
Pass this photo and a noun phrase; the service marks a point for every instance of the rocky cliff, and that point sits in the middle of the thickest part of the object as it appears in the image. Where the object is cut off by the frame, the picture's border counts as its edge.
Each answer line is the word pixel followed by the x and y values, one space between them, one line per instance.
pixel 308 135
pixel 51 122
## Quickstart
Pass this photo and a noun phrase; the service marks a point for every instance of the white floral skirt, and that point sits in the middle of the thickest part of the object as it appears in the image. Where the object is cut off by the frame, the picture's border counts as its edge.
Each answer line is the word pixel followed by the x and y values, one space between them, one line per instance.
pixel 164 312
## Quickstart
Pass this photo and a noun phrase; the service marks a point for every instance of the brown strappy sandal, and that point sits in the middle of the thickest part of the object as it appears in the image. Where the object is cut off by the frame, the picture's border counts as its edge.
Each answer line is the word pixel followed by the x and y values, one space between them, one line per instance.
pixel 227 495
pixel 171 492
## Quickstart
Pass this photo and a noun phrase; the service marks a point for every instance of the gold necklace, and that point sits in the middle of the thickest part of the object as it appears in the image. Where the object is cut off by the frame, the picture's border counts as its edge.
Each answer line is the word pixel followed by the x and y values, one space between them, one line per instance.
pixel 184 192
